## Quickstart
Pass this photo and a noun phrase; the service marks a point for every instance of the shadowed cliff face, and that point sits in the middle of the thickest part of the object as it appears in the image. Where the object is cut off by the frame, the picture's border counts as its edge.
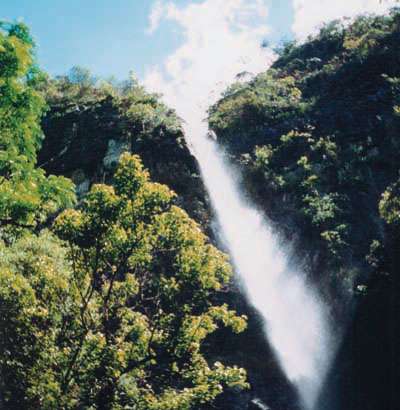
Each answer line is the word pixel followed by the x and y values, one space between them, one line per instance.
pixel 317 138
pixel 270 389
pixel 366 371
pixel 83 141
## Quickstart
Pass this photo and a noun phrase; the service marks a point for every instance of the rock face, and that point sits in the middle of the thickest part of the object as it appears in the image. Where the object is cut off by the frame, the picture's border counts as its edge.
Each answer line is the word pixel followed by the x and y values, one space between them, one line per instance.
pixel 114 150
pixel 83 141
pixel 269 387
pixel 366 372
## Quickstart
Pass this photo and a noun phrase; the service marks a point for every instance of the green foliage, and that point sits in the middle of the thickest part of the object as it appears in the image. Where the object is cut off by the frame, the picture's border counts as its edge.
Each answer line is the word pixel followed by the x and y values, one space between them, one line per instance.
pixel 82 77
pixel 116 318
pixel 38 305
pixel 27 196
pixel 248 109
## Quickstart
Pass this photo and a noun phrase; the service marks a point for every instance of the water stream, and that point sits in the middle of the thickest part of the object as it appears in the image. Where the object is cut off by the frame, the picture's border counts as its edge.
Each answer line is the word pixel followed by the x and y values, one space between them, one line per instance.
pixel 296 323
pixel 219 40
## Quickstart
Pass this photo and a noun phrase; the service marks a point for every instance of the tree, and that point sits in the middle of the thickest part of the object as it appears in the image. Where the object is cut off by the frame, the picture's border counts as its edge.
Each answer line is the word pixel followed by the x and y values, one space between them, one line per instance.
pixel 81 76
pixel 27 196
pixel 121 323
pixel 38 306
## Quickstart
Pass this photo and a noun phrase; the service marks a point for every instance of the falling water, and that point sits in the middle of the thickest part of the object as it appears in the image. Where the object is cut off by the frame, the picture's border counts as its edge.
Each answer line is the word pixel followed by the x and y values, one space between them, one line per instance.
pixel 295 319
pixel 220 39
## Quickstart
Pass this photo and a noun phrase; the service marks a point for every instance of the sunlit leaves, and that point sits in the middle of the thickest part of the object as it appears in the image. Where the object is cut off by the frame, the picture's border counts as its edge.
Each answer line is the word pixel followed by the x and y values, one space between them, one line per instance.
pixel 249 109
pixel 26 195
pixel 389 206
pixel 150 274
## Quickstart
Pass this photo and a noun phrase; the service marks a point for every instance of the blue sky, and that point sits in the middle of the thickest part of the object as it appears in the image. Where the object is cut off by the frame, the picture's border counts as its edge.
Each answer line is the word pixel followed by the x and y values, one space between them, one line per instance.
pixel 109 36
pixel 170 44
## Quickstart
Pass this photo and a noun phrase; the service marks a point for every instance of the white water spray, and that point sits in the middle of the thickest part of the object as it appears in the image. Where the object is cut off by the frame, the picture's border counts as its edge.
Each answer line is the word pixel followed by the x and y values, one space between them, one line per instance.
pixel 295 319
pixel 220 39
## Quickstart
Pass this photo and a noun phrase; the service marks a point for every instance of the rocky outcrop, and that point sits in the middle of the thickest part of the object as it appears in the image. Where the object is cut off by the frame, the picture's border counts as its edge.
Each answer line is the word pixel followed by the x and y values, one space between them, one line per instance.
pixel 83 141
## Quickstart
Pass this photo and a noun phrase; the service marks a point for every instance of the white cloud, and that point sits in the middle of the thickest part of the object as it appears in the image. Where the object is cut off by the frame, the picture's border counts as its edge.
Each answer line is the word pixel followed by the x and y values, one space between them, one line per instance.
pixel 155 16
pixel 221 38
pixel 310 14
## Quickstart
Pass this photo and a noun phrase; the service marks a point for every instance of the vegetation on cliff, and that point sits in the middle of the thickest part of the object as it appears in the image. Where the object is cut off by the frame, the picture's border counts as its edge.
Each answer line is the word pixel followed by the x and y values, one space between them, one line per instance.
pixel 27 196
pixel 317 136
pixel 90 122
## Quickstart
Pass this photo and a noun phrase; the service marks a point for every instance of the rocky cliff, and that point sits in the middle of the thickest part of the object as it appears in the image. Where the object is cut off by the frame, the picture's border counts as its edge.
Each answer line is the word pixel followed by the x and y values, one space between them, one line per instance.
pixel 316 138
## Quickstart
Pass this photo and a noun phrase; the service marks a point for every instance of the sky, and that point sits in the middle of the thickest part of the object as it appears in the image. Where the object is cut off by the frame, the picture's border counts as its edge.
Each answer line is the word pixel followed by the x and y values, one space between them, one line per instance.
pixel 113 37
pixel 185 49
pixel 110 37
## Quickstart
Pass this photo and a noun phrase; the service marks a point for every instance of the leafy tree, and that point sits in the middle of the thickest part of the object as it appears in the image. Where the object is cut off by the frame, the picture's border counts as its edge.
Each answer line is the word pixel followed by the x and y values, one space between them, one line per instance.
pixel 27 196
pixel 81 76
pixel 38 305
pixel 120 321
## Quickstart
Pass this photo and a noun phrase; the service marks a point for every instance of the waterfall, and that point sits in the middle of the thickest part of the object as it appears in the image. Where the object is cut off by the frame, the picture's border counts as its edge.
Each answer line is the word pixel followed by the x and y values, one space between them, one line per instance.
pixel 296 323
pixel 220 39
